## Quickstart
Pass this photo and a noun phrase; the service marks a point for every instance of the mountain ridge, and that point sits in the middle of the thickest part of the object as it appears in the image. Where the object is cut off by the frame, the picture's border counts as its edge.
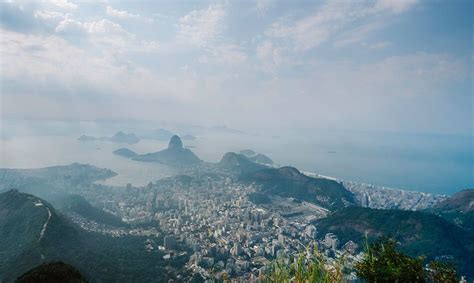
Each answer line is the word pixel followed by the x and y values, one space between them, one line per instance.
pixel 175 155
pixel 290 182
pixel 119 137
pixel 419 233
pixel 25 243
pixel 238 164
pixel 52 272
pixel 458 209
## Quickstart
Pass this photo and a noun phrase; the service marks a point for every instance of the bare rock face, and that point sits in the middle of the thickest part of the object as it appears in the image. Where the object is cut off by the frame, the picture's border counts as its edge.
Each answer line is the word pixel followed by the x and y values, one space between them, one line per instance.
pixel 175 143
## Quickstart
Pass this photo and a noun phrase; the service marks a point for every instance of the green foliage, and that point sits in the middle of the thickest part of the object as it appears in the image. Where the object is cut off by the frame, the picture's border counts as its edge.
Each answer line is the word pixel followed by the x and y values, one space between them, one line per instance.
pixel 442 272
pixel 457 209
pixel 259 198
pixel 306 267
pixel 53 272
pixel 383 263
pixel 417 233
pixel 97 257
pixel 238 164
pixel 79 205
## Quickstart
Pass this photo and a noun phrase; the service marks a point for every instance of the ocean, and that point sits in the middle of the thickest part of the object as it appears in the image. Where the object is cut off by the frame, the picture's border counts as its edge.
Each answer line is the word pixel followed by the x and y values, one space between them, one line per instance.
pixel 427 163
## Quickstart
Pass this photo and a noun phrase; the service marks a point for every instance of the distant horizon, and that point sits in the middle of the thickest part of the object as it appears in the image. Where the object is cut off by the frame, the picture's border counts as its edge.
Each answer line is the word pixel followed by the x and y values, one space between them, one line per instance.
pixel 163 124
pixel 439 164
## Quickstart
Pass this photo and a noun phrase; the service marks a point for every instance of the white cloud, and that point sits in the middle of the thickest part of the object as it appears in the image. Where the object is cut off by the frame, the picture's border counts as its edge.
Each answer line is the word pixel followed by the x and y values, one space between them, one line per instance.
pixel 54 62
pixel 70 26
pixel 204 29
pixel 67 81
pixel 64 4
pixel 120 14
pixel 110 37
pixel 103 26
pixel 312 30
pixel 54 59
pixel 201 27
pixel 52 16
pixel 334 17
pixel 202 68
pixel 147 46
pixel 62 81
pixel 359 34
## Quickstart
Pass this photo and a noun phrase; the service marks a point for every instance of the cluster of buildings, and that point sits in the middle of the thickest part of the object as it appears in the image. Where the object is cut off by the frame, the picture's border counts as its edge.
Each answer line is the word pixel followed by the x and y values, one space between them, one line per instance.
pixel 228 235
pixel 378 197
pixel 210 219
pixel 223 232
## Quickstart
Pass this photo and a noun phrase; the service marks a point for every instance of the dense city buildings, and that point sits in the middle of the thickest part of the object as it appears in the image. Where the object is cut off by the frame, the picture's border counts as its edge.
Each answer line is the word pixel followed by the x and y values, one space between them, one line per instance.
pixel 211 218
pixel 220 226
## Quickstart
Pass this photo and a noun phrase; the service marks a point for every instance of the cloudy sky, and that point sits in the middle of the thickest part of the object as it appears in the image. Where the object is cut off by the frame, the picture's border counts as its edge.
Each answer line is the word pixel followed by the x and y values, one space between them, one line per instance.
pixel 385 65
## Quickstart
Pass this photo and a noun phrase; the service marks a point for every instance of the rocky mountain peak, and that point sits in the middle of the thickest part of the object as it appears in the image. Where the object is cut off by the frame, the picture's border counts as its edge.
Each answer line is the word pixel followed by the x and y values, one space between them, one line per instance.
pixel 175 143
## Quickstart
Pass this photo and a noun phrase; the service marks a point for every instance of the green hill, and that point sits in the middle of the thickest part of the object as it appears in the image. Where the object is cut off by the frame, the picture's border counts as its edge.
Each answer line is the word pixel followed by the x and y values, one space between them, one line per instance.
pixel 125 152
pixel 459 209
pixel 78 204
pixel 256 157
pixel 238 164
pixel 53 272
pixel 28 227
pixel 289 182
pixel 418 233
pixel 46 182
pixel 119 137
pixel 262 159
pixel 33 232
pixel 462 201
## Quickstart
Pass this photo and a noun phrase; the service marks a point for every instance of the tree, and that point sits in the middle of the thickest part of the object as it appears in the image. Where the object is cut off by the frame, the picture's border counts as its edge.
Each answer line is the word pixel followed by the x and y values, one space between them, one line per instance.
pixel 383 263
pixel 442 272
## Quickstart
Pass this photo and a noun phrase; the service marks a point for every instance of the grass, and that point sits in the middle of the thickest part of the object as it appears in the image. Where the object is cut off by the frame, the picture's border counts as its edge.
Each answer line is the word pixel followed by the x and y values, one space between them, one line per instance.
pixel 309 266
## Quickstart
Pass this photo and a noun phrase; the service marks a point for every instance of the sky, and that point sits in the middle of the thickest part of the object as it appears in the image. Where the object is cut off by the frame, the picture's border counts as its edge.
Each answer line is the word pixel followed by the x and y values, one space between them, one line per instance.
pixel 381 65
